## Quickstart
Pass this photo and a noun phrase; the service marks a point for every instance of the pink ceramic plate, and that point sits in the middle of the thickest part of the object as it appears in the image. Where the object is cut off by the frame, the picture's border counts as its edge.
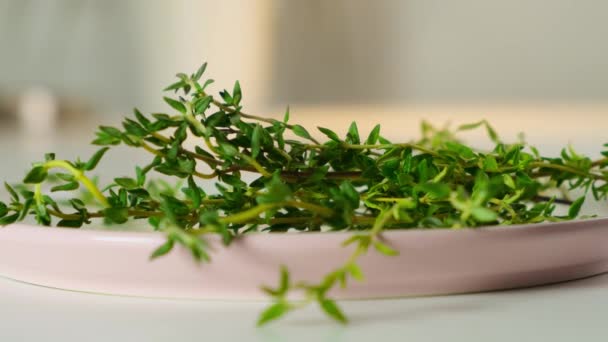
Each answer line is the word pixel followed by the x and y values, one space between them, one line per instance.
pixel 431 261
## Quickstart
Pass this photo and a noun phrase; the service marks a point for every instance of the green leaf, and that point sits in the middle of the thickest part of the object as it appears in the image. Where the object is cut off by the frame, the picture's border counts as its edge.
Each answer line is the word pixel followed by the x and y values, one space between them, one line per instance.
pixel 384 249
pixel 226 235
pixel 508 180
pixel 162 117
pixel 199 72
pixel 301 132
pixel 37 175
pixel 12 192
pixel 492 133
pixel 40 212
pixel 256 137
pixel 66 187
pixel 484 215
pixel 228 150
pixel 350 193
pixel 175 104
pixel 332 310
pixel 210 219
pixel 355 272
pixel 163 249
pixel 134 128
pixel 131 140
pixel 575 207
pixel 329 133
pixel 277 191
pixel 286 116
pixel 481 189
pixel 65 176
pixel 434 190
pixel 116 215
pixel 3 209
pixel 342 279
pixel 77 204
pixel 182 76
pixel 328 282
pixel 423 171
pixel 172 152
pixel 461 150
pixel 196 245
pixel 352 239
pixel 207 82
pixel 111 131
pixel 173 207
pixel 353 133
pixel 226 97
pixel 141 118
pixel 535 152
pixel 237 95
pixel 273 312
pixel 269 291
pixel 470 126
pixel 203 153
pixel 175 86
pixel 92 163
pixel 141 176
pixel 383 140
pixel 195 192
pixel 490 164
pixel 181 133
pixel 9 219
pixel 104 139
pixel 70 223
pixel 284 281
pixel 186 166
pixel 201 104
pixel 127 183
pixel 372 138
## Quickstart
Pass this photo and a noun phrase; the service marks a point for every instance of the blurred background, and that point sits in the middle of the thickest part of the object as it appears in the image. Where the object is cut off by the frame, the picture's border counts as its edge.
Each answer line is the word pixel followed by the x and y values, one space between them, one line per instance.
pixel 537 66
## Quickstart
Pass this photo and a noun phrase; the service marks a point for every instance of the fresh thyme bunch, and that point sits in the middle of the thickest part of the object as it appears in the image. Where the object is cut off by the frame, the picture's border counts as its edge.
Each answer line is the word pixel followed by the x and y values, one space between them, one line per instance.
pixel 360 184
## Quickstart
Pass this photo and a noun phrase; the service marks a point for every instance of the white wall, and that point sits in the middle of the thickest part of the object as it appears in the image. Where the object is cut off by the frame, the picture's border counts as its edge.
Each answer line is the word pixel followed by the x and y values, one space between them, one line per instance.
pixel 177 36
pixel 120 53
pixel 429 51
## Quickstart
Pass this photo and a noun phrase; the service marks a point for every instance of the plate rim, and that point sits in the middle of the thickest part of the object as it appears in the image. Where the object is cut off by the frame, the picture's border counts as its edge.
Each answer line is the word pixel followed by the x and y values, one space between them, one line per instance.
pixel 91 229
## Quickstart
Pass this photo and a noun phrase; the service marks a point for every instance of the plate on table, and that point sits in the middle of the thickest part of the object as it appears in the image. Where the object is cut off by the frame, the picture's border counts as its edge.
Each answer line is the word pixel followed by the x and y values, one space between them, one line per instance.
pixel 431 261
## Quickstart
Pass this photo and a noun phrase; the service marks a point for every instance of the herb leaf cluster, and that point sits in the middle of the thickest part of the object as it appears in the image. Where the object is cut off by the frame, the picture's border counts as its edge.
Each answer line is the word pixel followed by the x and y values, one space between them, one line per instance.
pixel 361 183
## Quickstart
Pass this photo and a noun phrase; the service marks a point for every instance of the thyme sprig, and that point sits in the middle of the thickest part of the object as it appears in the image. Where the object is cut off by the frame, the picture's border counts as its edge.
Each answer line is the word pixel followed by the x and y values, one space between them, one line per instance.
pixel 360 184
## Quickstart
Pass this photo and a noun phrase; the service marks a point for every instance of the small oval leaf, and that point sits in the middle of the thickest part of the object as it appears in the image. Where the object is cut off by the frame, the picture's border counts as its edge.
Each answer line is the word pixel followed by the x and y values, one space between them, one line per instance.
pixel 273 312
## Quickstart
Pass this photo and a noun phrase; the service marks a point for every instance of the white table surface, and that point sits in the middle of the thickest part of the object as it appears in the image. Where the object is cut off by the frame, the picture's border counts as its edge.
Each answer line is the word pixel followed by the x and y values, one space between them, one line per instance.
pixel 569 311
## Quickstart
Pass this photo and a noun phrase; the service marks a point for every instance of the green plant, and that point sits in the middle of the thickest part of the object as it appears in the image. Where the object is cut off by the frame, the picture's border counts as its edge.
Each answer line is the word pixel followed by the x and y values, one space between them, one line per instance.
pixel 360 184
